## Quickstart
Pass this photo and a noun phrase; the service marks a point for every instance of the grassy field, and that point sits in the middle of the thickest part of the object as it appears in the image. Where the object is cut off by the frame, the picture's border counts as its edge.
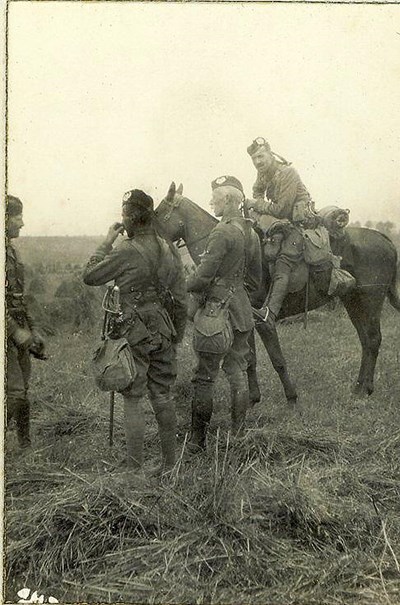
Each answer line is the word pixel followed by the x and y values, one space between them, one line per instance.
pixel 304 510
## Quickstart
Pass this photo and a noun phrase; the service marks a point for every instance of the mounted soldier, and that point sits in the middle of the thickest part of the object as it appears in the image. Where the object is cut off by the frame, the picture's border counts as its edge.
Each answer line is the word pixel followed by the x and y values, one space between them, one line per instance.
pixel 149 274
pixel 294 230
pixel 23 338
pixel 229 271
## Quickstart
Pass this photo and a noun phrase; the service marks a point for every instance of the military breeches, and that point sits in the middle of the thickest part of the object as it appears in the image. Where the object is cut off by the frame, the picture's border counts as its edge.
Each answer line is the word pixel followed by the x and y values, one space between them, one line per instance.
pixel 18 372
pixel 156 367
pixel 234 364
pixel 291 251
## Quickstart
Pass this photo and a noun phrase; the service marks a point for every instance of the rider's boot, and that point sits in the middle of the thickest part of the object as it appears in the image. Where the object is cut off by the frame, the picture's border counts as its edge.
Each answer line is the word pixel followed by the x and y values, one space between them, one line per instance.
pixel 279 288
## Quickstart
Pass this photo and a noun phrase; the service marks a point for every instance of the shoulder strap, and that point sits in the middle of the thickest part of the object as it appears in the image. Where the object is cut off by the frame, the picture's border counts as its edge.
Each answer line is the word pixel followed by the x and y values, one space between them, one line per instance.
pixel 140 248
pixel 244 230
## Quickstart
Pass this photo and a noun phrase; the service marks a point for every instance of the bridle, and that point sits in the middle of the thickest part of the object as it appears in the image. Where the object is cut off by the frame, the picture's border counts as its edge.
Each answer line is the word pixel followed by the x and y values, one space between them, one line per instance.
pixel 181 242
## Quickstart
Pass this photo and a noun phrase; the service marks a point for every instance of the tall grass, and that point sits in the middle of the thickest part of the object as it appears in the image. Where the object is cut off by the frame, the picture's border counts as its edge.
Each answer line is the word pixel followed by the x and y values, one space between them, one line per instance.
pixel 305 509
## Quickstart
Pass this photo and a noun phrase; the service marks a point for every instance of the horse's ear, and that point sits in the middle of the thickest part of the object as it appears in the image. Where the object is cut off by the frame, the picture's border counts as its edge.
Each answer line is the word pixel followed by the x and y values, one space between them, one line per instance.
pixel 171 192
pixel 179 191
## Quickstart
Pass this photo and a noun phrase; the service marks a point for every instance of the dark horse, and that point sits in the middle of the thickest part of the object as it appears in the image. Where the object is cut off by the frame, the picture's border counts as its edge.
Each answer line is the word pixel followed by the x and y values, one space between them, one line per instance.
pixel 367 254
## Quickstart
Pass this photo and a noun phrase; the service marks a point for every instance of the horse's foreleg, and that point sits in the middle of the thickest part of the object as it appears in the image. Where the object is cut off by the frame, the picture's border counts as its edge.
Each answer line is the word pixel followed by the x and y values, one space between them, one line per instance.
pixel 365 316
pixel 270 340
pixel 254 389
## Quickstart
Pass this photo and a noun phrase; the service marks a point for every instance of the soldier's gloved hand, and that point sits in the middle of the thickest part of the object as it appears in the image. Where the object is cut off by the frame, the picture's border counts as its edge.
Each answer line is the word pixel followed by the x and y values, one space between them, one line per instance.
pixel 22 338
pixel 114 231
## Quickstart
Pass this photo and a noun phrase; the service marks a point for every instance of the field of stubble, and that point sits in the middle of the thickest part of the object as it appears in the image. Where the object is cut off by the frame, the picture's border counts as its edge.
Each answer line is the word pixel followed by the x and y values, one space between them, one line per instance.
pixel 304 510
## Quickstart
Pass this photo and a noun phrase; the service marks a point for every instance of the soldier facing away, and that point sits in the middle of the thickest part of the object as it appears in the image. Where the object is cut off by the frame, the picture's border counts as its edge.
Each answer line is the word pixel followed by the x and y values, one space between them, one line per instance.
pixel 22 337
pixel 147 269
pixel 229 271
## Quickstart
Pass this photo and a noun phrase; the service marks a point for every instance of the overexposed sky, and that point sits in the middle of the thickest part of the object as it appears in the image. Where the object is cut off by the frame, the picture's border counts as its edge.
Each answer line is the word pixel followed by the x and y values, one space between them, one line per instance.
pixel 105 96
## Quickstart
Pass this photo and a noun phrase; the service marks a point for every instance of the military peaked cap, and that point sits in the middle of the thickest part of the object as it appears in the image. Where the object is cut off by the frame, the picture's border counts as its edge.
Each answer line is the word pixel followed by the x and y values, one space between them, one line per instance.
pixel 227 181
pixel 14 205
pixel 137 197
pixel 256 144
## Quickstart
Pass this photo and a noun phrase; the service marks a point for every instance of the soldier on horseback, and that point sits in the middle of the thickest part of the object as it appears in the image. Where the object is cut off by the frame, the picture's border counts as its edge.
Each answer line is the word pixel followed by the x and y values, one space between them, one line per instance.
pixel 289 202
pixel 230 270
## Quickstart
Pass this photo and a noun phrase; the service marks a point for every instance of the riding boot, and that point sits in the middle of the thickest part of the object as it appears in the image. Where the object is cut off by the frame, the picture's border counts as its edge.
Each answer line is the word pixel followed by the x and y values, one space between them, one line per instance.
pixel 279 288
pixel 134 432
pixel 201 417
pixel 164 410
pixel 21 414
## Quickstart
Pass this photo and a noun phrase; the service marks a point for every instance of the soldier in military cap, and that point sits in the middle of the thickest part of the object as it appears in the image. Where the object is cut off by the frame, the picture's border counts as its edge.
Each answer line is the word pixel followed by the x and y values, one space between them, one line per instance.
pixel 22 337
pixel 287 201
pixel 230 271
pixel 149 273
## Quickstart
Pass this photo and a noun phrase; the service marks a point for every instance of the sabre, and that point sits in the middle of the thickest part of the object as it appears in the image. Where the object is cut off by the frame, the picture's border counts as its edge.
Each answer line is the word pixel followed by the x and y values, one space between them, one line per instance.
pixel 111 307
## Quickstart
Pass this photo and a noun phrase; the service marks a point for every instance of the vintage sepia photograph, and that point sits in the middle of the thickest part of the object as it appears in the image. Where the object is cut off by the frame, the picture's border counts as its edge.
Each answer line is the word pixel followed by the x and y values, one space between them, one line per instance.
pixel 202 303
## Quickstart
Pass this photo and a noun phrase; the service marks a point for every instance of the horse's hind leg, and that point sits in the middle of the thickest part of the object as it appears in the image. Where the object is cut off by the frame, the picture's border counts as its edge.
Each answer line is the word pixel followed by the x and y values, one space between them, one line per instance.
pixel 365 314
pixel 270 340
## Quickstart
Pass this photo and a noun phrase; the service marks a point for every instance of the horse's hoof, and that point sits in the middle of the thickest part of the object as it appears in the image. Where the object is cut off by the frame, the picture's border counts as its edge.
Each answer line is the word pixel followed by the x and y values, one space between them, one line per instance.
pixel 254 398
pixel 292 401
pixel 362 390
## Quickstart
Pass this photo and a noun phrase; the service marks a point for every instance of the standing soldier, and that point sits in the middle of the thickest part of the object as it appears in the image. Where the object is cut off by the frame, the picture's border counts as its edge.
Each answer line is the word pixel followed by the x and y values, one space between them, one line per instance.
pixel 149 274
pixel 230 269
pixel 22 337
pixel 287 199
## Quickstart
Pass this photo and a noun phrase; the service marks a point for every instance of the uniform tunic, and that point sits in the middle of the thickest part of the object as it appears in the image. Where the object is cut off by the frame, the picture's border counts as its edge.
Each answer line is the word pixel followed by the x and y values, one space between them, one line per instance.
pixel 232 260
pixel 143 273
pixel 17 315
pixel 230 266
pixel 282 186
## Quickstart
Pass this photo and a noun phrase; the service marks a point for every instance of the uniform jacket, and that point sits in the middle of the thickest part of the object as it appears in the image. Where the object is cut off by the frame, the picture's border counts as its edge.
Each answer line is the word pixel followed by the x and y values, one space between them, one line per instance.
pixel 231 262
pixel 142 274
pixel 283 188
pixel 17 313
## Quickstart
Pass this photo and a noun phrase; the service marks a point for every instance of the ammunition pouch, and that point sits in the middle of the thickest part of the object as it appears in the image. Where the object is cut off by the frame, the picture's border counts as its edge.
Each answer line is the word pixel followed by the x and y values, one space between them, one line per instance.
pixel 304 215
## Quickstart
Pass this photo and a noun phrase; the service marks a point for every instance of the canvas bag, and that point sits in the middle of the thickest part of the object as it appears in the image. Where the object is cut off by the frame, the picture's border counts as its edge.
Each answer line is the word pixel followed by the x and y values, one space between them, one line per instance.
pixel 212 329
pixel 113 365
pixel 317 248
pixel 341 282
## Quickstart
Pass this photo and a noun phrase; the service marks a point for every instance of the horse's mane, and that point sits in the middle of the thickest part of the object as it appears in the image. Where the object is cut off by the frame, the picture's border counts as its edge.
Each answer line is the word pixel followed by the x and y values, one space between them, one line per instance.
pixel 195 206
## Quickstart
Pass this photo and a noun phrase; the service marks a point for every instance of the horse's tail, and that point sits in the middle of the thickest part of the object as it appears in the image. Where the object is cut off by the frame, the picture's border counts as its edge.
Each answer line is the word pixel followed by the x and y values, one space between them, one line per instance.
pixel 393 294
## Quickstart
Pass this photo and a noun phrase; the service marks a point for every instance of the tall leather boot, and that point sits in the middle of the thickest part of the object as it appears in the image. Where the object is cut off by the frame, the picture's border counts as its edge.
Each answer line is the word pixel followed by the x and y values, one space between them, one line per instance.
pixel 134 432
pixel 279 288
pixel 201 417
pixel 22 420
pixel 164 410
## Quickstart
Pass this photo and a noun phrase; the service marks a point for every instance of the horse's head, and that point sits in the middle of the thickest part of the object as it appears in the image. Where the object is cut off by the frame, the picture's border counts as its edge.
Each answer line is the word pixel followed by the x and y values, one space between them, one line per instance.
pixel 169 213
